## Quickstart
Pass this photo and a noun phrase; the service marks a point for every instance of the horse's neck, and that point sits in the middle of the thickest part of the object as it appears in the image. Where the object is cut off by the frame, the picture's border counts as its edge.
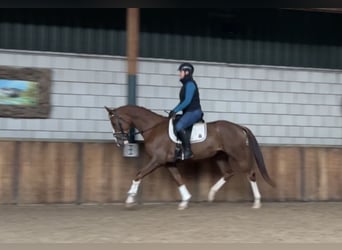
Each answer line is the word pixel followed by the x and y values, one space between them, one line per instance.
pixel 143 118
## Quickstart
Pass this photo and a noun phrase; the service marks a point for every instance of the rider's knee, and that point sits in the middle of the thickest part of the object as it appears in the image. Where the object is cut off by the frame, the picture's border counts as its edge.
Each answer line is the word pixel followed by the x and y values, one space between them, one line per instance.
pixel 178 127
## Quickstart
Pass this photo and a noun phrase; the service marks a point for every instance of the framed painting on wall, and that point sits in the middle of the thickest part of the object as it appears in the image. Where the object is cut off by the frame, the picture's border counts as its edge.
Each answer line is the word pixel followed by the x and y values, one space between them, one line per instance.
pixel 24 92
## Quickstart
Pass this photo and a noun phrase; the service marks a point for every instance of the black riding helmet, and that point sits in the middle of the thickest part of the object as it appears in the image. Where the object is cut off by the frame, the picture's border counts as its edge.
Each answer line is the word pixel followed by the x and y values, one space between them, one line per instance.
pixel 186 67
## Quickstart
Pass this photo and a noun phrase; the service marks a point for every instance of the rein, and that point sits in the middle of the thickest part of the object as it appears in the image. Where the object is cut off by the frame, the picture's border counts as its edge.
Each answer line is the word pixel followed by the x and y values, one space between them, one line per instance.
pixel 118 123
pixel 143 131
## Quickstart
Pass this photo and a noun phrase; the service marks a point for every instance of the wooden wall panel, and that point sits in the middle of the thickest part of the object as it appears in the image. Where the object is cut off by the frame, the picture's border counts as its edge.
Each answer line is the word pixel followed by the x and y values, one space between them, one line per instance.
pixel 107 175
pixel 160 186
pixel 7 164
pixel 323 173
pixel 334 165
pixel 51 173
pixel 236 189
pixel 121 172
pixel 284 167
pixel 94 176
pixel 32 178
pixel 311 173
pixel 47 172
pixel 67 162
pixel 329 174
pixel 60 163
pixel 61 172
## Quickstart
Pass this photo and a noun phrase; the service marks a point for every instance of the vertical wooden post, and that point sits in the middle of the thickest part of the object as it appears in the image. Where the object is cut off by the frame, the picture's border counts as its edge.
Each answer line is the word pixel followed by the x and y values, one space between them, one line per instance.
pixel 132 55
pixel 132 39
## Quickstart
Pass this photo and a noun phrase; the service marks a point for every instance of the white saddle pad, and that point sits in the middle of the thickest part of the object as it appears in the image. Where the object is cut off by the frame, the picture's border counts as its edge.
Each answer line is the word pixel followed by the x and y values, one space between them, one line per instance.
pixel 198 133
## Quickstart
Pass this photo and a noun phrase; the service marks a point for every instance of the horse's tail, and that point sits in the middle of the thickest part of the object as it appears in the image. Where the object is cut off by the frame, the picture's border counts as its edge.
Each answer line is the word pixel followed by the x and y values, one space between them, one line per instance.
pixel 255 149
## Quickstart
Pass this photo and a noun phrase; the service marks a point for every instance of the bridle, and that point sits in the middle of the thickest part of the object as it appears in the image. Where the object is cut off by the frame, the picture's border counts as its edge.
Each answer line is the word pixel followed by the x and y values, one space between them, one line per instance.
pixel 120 137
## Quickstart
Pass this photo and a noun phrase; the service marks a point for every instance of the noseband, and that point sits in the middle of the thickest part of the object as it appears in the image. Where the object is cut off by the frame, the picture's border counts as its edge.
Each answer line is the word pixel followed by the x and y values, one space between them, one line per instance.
pixel 122 135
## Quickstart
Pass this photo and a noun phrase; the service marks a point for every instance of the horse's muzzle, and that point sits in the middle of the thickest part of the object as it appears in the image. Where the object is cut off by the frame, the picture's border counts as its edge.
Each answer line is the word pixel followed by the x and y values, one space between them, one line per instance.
pixel 120 139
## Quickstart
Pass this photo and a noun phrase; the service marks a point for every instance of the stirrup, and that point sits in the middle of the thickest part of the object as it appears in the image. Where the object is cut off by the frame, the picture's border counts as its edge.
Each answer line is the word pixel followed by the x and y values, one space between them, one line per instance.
pixel 178 152
pixel 189 157
pixel 190 154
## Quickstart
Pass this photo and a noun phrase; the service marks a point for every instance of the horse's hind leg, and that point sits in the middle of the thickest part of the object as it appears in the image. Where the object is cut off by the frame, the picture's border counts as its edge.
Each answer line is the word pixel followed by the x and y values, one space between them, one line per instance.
pixel 222 162
pixel 181 187
pixel 256 194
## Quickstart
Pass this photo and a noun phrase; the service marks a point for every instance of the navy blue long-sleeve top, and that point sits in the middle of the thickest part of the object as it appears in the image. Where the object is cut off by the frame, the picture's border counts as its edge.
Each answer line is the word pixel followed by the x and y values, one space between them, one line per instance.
pixel 190 89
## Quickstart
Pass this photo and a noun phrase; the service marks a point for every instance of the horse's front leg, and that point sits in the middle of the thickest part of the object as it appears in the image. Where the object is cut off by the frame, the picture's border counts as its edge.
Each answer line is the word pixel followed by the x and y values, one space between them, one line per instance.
pixel 132 192
pixel 181 187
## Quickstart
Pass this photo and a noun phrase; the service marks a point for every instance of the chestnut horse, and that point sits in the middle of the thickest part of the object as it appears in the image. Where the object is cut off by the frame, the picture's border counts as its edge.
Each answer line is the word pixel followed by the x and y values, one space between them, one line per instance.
pixel 234 148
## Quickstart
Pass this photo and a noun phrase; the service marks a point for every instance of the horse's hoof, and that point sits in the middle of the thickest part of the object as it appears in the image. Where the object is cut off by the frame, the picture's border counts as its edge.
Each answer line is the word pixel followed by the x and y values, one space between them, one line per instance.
pixel 256 205
pixel 211 196
pixel 130 201
pixel 130 205
pixel 183 205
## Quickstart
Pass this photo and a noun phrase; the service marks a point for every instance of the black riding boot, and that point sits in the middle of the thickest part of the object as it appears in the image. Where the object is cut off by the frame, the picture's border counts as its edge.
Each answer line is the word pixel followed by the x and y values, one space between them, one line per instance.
pixel 185 143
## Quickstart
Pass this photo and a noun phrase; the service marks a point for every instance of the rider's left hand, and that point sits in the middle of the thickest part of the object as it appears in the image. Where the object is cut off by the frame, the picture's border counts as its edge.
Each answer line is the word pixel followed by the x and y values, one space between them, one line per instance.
pixel 172 114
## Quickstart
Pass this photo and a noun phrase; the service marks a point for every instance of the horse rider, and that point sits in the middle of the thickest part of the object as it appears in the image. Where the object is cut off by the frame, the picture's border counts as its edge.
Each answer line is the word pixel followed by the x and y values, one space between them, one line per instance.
pixel 189 105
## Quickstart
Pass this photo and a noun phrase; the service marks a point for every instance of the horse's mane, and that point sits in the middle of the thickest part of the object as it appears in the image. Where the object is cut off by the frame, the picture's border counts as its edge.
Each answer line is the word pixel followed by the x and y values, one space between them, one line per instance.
pixel 143 108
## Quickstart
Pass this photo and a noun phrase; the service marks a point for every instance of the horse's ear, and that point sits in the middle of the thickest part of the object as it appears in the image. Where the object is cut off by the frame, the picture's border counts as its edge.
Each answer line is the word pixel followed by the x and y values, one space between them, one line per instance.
pixel 108 109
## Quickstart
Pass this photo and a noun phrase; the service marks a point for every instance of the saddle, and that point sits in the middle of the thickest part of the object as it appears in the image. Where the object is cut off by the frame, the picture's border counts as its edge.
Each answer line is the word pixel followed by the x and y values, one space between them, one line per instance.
pixel 198 131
